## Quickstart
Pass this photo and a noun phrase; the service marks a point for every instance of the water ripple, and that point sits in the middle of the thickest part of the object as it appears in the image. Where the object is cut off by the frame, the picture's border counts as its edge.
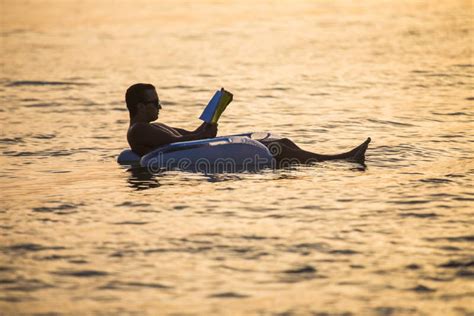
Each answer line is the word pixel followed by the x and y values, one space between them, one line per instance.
pixel 62 209
pixel 44 83
pixel 121 285
pixel 81 273
pixel 32 247
pixel 228 295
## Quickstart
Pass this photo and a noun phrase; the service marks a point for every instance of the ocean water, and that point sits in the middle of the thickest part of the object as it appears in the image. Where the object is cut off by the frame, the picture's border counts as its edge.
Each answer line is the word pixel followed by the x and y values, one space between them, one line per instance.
pixel 81 235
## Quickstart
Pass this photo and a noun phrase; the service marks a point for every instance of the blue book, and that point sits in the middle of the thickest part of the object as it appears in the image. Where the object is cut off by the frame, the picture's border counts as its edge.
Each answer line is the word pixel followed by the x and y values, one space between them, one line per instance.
pixel 216 106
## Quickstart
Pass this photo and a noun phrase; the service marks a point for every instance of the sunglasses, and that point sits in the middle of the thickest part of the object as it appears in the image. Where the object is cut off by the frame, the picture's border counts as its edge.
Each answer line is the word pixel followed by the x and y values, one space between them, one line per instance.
pixel 155 103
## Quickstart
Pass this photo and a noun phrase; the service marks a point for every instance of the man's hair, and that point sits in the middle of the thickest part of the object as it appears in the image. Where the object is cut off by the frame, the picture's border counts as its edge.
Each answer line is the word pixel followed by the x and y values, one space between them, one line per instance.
pixel 134 95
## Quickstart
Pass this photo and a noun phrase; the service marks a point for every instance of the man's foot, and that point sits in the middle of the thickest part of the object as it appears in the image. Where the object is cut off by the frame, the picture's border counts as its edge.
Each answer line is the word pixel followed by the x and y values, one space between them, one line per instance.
pixel 358 153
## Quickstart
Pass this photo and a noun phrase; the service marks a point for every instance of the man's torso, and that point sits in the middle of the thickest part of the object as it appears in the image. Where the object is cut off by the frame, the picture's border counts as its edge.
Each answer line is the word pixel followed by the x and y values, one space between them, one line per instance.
pixel 136 143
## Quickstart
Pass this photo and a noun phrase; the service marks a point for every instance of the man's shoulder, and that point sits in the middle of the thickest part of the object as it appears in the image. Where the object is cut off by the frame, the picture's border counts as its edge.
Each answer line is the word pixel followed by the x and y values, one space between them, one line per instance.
pixel 141 129
pixel 138 127
pixel 158 124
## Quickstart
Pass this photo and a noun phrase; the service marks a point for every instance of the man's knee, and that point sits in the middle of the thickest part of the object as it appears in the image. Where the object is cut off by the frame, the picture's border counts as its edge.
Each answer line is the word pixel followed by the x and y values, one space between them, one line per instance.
pixel 288 142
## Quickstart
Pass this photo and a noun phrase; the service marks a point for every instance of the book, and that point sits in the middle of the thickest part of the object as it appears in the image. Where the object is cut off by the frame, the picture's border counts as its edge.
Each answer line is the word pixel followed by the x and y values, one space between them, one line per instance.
pixel 216 106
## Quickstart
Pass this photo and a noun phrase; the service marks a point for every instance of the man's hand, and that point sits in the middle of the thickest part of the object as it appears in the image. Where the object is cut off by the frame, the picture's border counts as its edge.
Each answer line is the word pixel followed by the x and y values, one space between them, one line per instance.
pixel 207 130
pixel 201 127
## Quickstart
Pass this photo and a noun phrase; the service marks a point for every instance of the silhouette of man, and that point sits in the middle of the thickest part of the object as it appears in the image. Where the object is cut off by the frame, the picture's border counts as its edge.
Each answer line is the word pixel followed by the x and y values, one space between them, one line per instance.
pixel 143 136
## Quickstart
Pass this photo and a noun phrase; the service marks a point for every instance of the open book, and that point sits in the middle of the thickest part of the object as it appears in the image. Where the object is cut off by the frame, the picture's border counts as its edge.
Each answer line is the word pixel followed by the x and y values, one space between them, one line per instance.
pixel 216 106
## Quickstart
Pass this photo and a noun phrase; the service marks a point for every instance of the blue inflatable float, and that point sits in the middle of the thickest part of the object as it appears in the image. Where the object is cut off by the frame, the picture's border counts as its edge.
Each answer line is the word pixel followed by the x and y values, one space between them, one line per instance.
pixel 232 153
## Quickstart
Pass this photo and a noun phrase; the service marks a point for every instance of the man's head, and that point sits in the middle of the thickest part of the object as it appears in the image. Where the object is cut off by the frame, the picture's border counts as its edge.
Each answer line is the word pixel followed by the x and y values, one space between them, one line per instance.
pixel 142 99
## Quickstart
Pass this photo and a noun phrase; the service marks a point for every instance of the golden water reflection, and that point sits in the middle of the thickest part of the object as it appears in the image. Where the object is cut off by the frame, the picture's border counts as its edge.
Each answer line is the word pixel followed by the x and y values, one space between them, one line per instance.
pixel 82 235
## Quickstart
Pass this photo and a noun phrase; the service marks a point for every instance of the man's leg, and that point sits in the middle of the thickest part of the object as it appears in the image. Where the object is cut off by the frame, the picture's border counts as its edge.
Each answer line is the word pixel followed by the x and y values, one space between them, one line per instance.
pixel 289 143
pixel 286 150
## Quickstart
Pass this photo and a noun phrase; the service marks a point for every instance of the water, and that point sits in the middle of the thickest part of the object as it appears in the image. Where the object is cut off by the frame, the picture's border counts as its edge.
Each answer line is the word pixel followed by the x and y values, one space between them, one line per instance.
pixel 82 235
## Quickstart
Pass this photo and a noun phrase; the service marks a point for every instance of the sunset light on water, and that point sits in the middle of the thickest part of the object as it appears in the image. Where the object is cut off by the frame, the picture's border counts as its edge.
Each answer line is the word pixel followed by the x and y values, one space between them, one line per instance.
pixel 83 235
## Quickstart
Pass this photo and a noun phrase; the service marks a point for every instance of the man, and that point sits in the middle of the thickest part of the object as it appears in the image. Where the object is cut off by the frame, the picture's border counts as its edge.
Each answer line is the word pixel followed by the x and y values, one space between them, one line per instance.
pixel 143 136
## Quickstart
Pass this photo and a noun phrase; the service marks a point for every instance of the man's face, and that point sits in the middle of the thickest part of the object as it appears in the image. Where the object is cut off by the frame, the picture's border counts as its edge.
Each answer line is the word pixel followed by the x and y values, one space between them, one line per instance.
pixel 151 104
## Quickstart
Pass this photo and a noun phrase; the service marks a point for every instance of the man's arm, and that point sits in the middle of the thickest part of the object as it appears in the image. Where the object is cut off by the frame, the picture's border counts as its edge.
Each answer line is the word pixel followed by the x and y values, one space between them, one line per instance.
pixel 150 136
pixel 186 132
pixel 183 131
